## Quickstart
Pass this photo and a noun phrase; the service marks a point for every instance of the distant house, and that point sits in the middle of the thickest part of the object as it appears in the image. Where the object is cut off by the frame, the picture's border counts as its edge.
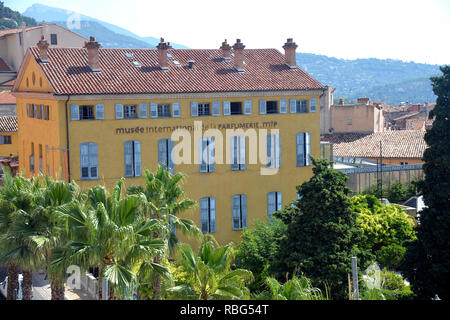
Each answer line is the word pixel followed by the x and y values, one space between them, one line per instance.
pixel 7 104
pixel 9 145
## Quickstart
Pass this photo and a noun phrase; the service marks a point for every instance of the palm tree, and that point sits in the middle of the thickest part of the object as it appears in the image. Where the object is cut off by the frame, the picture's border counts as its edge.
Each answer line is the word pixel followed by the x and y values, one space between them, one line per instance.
pixel 165 200
pixel 112 233
pixel 210 274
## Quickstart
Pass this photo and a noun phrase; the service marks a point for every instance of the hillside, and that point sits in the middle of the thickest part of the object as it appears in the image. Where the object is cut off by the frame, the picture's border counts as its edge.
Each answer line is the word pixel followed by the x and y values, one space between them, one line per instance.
pixel 10 19
pixel 391 81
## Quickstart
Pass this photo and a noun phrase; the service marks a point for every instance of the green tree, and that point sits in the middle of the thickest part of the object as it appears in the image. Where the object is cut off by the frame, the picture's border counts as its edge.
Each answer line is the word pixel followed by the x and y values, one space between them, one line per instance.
pixel 320 241
pixel 209 274
pixel 427 260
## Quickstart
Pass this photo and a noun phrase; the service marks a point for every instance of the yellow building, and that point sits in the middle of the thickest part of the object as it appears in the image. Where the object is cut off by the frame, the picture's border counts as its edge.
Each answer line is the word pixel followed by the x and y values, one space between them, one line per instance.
pixel 9 141
pixel 95 115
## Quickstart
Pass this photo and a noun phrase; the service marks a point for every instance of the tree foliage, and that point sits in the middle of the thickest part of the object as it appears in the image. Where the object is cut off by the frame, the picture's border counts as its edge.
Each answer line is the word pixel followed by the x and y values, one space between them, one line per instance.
pixel 10 19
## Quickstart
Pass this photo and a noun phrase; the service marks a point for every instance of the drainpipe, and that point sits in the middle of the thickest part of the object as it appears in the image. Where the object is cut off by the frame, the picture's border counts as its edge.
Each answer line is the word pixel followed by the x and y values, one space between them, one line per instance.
pixel 66 152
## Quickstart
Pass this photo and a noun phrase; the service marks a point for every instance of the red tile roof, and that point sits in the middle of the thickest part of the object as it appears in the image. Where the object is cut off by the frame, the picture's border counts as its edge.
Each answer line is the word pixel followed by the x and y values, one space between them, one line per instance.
pixel 9 82
pixel 7 98
pixel 4 66
pixel 7 32
pixel 395 144
pixel 8 124
pixel 265 69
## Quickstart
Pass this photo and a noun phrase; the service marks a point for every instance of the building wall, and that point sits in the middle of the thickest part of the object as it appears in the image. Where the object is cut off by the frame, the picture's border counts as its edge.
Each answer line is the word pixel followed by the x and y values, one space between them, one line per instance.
pixel 7 150
pixel 356 118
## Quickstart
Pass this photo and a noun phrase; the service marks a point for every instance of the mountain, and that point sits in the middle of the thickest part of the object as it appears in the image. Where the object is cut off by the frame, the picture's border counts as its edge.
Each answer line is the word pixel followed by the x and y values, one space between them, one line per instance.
pixel 390 81
pixel 10 19
pixel 50 14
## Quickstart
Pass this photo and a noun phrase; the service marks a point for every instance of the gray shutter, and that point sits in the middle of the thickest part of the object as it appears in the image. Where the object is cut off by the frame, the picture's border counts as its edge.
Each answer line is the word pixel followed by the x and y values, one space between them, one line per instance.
pixel 269 151
pixel 100 111
pixel 307 149
pixel 176 113
pixel 41 111
pixel 28 110
pixel 2 139
pixel 283 106
pixel 242 152
pixel 279 202
pixel 312 105
pixel 93 160
pixel 128 158
pixel 216 108
pixel 248 107
pixel 277 141
pixel 212 214
pixel 137 159
pixel 244 210
pixel 236 212
pixel 211 153
pixel 300 142
pixel 74 112
pixel 153 110
pixel 271 204
pixel 204 215
pixel 226 108
pixel 292 106
pixel 143 110
pixel 170 156
pixel 162 152
pixel 234 152
pixel 262 106
pixel 202 146
pixel 119 111
pixel 194 109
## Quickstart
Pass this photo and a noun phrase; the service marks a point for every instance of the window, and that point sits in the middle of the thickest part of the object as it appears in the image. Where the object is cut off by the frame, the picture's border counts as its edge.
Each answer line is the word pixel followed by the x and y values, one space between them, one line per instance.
pixel 206 154
pixel 41 112
pixel 89 160
pixel 130 111
pixel 273 151
pixel 86 113
pixel 34 111
pixel 46 112
pixel 32 158
pixel 165 154
pixel 313 105
pixel 204 109
pixel 239 211
pixel 303 149
pixel 5 139
pixel 53 39
pixel 132 153
pixel 271 107
pixel 236 108
pixel 238 153
pixel 273 203
pixel 403 163
pixel 164 110
pixel 301 106
pixel 349 122
pixel 208 214
pixel 41 161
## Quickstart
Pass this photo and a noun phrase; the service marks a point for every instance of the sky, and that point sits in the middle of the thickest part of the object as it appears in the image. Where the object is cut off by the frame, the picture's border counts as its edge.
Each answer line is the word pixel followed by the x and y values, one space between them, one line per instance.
pixel 408 30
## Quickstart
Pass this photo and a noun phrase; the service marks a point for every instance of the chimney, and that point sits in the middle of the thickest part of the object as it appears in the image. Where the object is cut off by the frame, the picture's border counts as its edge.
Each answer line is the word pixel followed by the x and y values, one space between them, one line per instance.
pixel 93 57
pixel 191 64
pixel 239 55
pixel 289 53
pixel 363 100
pixel 162 54
pixel 43 50
pixel 341 102
pixel 226 51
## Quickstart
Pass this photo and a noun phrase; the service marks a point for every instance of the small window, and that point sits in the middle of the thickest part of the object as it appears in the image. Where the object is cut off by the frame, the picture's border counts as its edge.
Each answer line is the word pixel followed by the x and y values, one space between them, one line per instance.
pixel 236 108
pixel 274 203
pixel 271 107
pixel 164 111
pixel 53 39
pixel 130 111
pixel 47 112
pixel 349 122
pixel 301 106
pixel 239 211
pixel 132 153
pixel 204 109
pixel 87 113
pixel 165 154
pixel 89 160
pixel 208 214
pixel 5 139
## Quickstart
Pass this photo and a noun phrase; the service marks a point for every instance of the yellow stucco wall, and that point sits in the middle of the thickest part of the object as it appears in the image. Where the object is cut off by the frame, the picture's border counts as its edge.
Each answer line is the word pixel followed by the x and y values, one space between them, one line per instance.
pixel 7 150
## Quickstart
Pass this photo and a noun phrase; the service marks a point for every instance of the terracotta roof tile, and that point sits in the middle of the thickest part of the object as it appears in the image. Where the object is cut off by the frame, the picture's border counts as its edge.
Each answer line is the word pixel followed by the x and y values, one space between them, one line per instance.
pixel 4 66
pixel 9 82
pixel 8 124
pixel 395 144
pixel 7 32
pixel 7 98
pixel 265 70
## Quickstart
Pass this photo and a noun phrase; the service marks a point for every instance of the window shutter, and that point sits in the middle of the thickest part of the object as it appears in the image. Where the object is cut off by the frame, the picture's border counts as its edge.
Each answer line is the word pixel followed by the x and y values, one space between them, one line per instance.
pixel 28 110
pixel 100 111
pixel 277 151
pixel 84 160
pixel 128 158
pixel 143 110
pixel 74 112
pixel 204 215
pixel 194 109
pixel 153 110
pixel 244 210
pixel 170 156
pixel 307 149
pixel 248 107
pixel 119 111
pixel 226 108
pixel 236 212
pixel 271 204
pixel 216 108
pixel 93 160
pixel 312 105
pixel 283 106
pixel 300 142
pixel 137 159
pixel 35 111
pixel 202 147
pixel 212 214
pixel 41 111
pixel 234 152
pixel 279 202
pixel 269 151
pixel 2 140
pixel 162 152
pixel 242 152
pixel 176 110
pixel 211 152
pixel 292 106
pixel 262 106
